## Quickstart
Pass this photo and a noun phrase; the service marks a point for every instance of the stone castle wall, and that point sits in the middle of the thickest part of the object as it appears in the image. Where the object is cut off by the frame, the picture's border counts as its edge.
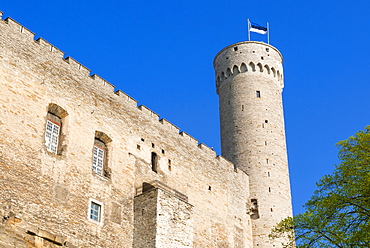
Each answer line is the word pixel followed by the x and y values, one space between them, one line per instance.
pixel 45 197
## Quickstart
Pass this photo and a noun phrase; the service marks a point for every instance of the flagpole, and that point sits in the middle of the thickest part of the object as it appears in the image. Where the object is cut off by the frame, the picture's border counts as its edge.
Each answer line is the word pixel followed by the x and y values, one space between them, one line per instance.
pixel 268 33
pixel 249 34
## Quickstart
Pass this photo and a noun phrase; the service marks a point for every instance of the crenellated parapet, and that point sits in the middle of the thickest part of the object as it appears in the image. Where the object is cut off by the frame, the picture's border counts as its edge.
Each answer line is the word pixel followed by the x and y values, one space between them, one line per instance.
pixel 105 89
pixel 250 58
pixel 249 67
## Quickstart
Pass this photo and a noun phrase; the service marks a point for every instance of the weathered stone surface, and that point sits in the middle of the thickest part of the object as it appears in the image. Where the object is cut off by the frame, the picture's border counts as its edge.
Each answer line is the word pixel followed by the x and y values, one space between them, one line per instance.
pixel 249 84
pixel 196 199
pixel 162 219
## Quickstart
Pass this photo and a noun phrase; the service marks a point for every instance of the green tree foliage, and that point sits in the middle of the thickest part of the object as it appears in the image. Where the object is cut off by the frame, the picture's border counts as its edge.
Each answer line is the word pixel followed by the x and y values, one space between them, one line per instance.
pixel 338 213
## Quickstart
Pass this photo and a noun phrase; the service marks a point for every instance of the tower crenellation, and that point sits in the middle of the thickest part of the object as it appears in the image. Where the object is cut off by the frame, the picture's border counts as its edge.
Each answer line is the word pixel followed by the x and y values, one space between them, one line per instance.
pixel 249 83
pixel 240 59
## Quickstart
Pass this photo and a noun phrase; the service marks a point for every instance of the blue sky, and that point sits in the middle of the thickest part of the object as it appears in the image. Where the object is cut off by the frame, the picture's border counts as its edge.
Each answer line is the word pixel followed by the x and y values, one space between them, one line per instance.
pixel 161 54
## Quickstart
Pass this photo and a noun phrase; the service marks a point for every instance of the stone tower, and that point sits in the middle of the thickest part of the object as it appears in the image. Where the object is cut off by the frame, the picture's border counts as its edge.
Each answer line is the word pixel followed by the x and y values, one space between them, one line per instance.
pixel 249 81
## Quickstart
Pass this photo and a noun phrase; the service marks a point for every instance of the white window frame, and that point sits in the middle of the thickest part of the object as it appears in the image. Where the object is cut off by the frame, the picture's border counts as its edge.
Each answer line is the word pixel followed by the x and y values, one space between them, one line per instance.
pixel 100 214
pixel 98 160
pixel 52 136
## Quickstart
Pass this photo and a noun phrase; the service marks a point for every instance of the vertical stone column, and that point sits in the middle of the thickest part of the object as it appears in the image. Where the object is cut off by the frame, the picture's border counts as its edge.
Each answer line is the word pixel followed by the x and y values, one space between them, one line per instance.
pixel 163 218
pixel 249 81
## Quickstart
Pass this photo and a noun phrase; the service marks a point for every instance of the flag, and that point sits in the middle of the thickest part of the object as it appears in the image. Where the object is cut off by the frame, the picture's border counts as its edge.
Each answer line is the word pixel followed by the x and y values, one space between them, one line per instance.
pixel 254 27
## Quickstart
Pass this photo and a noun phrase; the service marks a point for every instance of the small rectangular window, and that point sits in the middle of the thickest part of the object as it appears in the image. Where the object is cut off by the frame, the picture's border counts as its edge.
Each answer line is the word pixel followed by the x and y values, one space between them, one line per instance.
pixel 98 160
pixel 258 94
pixel 95 210
pixel 52 136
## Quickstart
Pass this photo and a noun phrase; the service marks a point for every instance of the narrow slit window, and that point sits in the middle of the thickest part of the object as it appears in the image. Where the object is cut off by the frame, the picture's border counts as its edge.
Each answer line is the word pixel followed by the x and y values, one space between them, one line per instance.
pixel 154 162
pixel 258 94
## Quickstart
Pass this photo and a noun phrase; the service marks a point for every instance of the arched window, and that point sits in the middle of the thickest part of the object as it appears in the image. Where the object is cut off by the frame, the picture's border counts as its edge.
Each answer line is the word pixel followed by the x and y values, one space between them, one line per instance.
pixel 228 72
pixel 267 69
pixel 260 67
pixel 100 154
pixel 235 70
pixel 273 71
pixel 278 75
pixel 252 66
pixel 243 68
pixel 55 126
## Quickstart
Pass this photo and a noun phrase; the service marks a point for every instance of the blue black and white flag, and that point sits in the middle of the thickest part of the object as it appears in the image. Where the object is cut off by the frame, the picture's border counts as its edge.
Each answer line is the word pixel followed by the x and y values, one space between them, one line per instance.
pixel 254 27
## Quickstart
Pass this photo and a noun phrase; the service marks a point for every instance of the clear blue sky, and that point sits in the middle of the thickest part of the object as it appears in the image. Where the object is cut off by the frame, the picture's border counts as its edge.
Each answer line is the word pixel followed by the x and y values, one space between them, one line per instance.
pixel 161 53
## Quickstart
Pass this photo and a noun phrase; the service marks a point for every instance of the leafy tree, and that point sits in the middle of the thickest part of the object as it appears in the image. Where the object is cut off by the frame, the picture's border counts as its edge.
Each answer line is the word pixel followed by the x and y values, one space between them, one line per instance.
pixel 338 213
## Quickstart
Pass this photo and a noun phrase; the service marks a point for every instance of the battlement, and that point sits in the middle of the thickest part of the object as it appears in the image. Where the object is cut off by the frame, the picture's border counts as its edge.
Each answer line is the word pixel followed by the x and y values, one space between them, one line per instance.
pixel 26 33
pixel 248 58
pixel 104 88
pixel 248 68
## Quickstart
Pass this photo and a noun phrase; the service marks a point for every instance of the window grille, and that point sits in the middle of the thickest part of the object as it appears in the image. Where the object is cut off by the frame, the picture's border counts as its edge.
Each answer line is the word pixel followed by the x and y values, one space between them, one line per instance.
pixel 98 160
pixel 52 136
pixel 95 211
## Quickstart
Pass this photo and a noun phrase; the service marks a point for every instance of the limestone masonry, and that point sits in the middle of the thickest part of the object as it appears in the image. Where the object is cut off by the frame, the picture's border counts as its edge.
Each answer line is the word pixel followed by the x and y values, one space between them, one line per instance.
pixel 81 165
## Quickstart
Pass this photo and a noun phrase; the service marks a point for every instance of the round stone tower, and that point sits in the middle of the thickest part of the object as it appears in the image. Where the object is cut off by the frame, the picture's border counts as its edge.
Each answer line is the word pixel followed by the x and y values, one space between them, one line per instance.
pixel 249 81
